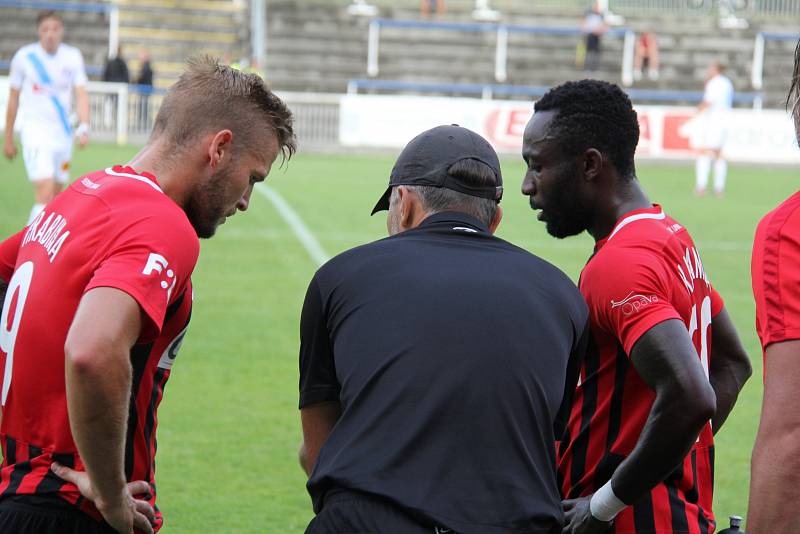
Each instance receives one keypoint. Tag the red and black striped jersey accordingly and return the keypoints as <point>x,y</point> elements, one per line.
<point>112,228</point>
<point>646,271</point>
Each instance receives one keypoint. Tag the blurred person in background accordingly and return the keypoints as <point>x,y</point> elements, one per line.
<point>713,114</point>
<point>42,77</point>
<point>144,82</point>
<point>431,7</point>
<point>646,56</point>
<point>116,71</point>
<point>774,488</point>
<point>593,26</point>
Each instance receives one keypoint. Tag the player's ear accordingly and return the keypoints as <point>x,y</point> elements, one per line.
<point>220,147</point>
<point>409,207</point>
<point>592,164</point>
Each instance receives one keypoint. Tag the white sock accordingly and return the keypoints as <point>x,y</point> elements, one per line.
<point>35,210</point>
<point>720,173</point>
<point>702,170</point>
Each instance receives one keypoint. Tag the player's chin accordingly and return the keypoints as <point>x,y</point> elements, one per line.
<point>206,230</point>
<point>562,229</point>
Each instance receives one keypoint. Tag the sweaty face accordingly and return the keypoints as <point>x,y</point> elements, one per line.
<point>552,180</point>
<point>228,189</point>
<point>50,32</point>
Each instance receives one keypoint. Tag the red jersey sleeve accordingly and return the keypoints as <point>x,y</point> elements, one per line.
<point>152,261</point>
<point>776,274</point>
<point>8,255</point>
<point>627,293</point>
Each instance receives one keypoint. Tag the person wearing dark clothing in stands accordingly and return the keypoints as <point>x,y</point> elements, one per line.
<point>145,88</point>
<point>116,70</point>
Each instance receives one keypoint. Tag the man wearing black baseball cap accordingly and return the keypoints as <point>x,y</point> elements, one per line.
<point>433,363</point>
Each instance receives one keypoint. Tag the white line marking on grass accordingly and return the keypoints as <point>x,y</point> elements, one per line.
<point>297,225</point>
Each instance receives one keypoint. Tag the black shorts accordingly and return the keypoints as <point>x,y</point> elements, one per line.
<point>46,515</point>
<point>352,512</point>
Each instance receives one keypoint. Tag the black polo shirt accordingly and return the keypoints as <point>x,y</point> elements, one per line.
<point>448,349</point>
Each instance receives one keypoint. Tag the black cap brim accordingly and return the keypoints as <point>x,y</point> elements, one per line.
<point>383,202</point>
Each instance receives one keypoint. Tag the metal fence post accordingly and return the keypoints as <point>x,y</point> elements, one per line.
<point>757,76</point>
<point>122,114</point>
<point>113,31</point>
<point>627,57</point>
<point>501,55</point>
<point>372,48</point>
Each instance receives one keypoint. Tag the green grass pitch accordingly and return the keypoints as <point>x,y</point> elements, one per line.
<point>229,426</point>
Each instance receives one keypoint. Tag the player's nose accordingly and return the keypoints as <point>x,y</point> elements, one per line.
<point>244,202</point>
<point>528,186</point>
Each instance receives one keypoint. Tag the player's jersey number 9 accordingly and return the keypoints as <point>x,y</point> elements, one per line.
<point>20,284</point>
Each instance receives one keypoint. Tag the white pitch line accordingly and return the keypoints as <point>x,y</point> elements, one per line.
<point>297,225</point>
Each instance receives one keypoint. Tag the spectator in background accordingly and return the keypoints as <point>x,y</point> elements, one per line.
<point>427,7</point>
<point>593,27</point>
<point>116,70</point>
<point>145,87</point>
<point>713,113</point>
<point>45,74</point>
<point>646,55</point>
<point>776,277</point>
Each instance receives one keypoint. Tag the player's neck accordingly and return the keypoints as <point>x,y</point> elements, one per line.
<point>52,51</point>
<point>151,160</point>
<point>627,198</point>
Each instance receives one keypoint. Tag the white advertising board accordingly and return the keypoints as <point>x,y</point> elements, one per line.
<point>758,136</point>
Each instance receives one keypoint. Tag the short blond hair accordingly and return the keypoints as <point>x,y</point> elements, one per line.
<point>210,96</point>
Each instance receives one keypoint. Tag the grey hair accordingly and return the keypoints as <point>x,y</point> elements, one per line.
<point>793,98</point>
<point>439,199</point>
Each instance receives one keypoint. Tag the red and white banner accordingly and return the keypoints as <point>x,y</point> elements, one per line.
<point>759,136</point>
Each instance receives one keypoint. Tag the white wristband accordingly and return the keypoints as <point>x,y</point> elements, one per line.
<point>605,505</point>
<point>82,129</point>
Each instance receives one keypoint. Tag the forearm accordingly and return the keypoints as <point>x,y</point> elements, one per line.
<point>306,460</point>
<point>97,400</point>
<point>669,434</point>
<point>11,117</point>
<point>3,289</point>
<point>775,481</point>
<point>82,101</point>
<point>727,383</point>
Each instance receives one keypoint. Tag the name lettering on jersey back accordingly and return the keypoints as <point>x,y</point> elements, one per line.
<point>156,263</point>
<point>692,269</point>
<point>50,233</point>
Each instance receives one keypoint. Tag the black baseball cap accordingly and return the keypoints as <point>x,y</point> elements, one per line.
<point>426,159</point>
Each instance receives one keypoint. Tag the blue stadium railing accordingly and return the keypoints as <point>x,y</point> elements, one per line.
<point>488,90</point>
<point>87,7</point>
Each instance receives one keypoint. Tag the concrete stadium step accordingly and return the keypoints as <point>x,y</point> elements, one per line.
<point>162,35</point>
<point>215,6</point>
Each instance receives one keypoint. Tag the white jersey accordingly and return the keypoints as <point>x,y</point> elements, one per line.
<point>46,82</point>
<point>718,95</point>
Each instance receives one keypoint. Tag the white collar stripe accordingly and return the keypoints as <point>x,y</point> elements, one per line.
<point>658,216</point>
<point>112,172</point>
